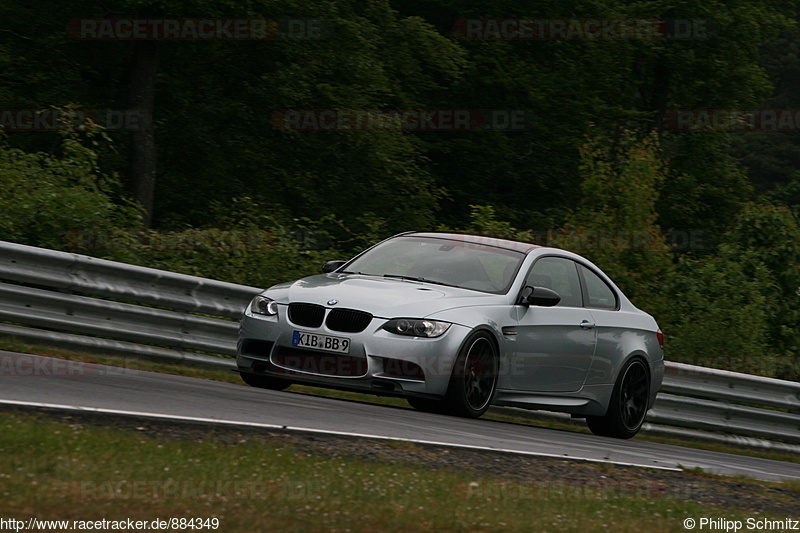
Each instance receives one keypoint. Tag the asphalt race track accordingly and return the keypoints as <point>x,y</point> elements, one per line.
<point>43,382</point>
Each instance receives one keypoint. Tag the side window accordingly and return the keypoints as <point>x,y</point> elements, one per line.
<point>600,295</point>
<point>560,275</point>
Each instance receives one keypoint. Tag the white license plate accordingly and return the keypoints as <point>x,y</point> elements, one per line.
<point>321,342</point>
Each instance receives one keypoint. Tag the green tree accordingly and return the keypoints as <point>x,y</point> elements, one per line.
<point>773,157</point>
<point>772,233</point>
<point>45,197</point>
<point>738,307</point>
<point>214,102</point>
<point>707,186</point>
<point>483,221</point>
<point>615,224</point>
<point>719,313</point>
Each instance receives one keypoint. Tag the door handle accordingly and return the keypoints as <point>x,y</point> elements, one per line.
<point>587,325</point>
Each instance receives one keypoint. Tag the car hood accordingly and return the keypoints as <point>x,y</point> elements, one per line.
<point>383,297</point>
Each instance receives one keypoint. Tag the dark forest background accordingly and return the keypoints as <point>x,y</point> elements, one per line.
<point>698,225</point>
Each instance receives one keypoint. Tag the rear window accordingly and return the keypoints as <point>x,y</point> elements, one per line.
<point>598,293</point>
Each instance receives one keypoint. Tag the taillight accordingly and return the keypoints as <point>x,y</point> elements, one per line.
<point>660,337</point>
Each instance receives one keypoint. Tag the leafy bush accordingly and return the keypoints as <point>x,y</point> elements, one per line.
<point>615,225</point>
<point>46,196</point>
<point>771,233</point>
<point>719,312</point>
<point>253,245</point>
<point>483,221</point>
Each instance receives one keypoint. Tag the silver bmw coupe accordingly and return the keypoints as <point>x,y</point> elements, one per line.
<point>455,323</point>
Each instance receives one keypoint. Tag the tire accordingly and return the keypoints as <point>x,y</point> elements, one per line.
<point>474,379</point>
<point>426,405</point>
<point>264,382</point>
<point>628,405</point>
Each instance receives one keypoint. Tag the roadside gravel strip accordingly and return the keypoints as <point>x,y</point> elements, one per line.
<point>497,475</point>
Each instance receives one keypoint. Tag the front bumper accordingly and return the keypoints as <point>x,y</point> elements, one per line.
<point>378,361</point>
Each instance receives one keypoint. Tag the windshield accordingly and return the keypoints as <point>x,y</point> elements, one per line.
<point>443,261</point>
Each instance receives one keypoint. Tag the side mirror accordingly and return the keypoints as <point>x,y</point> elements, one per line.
<point>541,296</point>
<point>330,266</point>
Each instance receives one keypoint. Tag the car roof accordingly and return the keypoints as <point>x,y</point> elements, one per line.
<point>484,240</point>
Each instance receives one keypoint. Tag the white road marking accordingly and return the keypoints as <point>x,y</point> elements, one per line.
<point>163,416</point>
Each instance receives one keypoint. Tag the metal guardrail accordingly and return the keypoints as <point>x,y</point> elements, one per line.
<point>81,274</point>
<point>79,302</point>
<point>700,382</point>
<point>710,399</point>
<point>84,303</point>
<point>713,415</point>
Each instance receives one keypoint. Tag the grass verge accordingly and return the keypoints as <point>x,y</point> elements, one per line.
<point>62,468</point>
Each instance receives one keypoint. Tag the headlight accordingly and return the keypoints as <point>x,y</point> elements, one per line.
<point>261,305</point>
<point>416,327</point>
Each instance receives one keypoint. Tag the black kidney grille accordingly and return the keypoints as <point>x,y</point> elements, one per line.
<point>306,315</point>
<point>348,320</point>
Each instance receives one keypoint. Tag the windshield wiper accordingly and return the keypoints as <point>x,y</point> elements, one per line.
<point>417,278</point>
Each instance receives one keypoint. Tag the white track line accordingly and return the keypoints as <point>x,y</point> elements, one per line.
<point>120,412</point>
